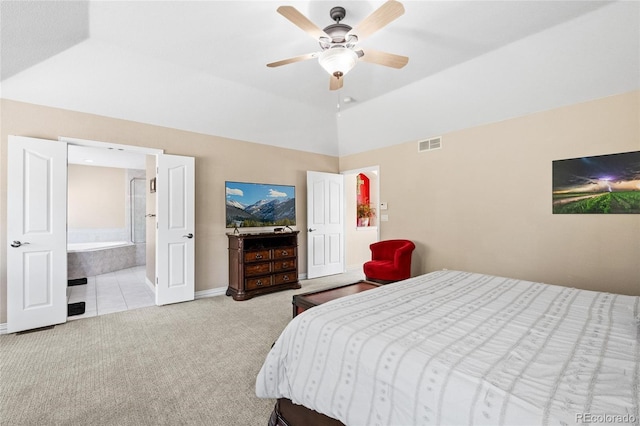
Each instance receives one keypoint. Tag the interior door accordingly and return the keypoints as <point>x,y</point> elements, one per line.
<point>36,233</point>
<point>325,227</point>
<point>175,245</point>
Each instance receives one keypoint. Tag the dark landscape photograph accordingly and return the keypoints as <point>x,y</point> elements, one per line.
<point>597,185</point>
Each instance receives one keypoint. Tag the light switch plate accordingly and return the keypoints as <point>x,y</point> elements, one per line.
<point>383,205</point>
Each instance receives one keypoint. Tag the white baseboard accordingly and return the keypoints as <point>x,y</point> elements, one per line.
<point>354,268</point>
<point>150,284</point>
<point>3,328</point>
<point>219,291</point>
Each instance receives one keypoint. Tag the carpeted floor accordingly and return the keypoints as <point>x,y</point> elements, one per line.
<point>192,363</point>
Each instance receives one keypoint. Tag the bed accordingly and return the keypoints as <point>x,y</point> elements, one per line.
<point>452,347</point>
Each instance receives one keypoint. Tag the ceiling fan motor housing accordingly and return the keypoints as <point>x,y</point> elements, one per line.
<point>337,13</point>
<point>336,31</point>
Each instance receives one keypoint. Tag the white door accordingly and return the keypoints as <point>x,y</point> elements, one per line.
<point>325,227</point>
<point>175,240</point>
<point>36,233</point>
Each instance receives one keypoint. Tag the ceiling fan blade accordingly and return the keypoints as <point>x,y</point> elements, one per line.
<point>301,21</point>
<point>384,58</point>
<point>336,83</point>
<point>380,17</point>
<point>294,59</point>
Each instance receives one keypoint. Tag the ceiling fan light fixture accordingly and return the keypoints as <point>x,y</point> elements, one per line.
<point>338,61</point>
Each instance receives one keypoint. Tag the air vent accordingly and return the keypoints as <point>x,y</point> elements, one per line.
<point>430,144</point>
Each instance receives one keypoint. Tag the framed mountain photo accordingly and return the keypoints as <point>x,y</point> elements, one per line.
<point>259,205</point>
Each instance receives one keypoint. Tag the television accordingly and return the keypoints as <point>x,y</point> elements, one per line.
<point>259,205</point>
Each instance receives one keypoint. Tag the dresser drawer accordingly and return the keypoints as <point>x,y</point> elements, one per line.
<point>258,255</point>
<point>284,265</point>
<point>285,277</point>
<point>282,252</point>
<point>254,283</point>
<point>261,268</point>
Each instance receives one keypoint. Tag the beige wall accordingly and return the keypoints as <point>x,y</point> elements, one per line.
<point>96,197</point>
<point>483,202</point>
<point>217,159</point>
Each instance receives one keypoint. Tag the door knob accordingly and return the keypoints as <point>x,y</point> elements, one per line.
<point>311,229</point>
<point>17,244</point>
<point>189,235</point>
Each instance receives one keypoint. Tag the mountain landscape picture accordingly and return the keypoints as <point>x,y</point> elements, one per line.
<point>258,204</point>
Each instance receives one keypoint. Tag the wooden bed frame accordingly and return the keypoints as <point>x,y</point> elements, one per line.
<point>286,413</point>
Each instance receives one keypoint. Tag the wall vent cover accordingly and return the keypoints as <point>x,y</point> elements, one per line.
<point>430,144</point>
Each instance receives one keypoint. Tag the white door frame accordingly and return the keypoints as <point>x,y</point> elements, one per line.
<point>126,148</point>
<point>375,170</point>
<point>353,239</point>
<point>97,144</point>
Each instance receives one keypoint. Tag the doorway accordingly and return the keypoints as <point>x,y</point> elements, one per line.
<point>359,237</point>
<point>107,217</point>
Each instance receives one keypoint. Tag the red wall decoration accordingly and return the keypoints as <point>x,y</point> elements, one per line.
<point>362,188</point>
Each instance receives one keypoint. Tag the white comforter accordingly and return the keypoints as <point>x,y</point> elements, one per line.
<point>453,347</point>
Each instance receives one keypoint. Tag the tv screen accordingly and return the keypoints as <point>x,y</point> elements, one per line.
<point>259,204</point>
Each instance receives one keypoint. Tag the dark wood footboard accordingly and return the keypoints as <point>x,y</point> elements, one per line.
<point>286,413</point>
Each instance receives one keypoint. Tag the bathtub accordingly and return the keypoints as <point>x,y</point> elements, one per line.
<point>89,259</point>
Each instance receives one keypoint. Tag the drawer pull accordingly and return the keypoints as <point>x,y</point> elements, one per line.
<point>259,283</point>
<point>285,264</point>
<point>258,256</point>
<point>284,252</point>
<point>285,278</point>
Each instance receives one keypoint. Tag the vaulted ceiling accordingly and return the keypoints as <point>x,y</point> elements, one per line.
<point>201,65</point>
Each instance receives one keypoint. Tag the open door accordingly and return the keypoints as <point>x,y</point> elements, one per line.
<point>36,233</point>
<point>175,240</point>
<point>325,216</point>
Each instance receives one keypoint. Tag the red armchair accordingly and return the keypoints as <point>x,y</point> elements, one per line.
<point>390,261</point>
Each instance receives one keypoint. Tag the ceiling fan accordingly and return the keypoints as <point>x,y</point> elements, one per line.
<point>338,41</point>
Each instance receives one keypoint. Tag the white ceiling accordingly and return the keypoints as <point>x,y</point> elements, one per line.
<point>201,65</point>
<point>105,157</point>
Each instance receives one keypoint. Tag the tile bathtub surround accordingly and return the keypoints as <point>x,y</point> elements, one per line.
<point>97,262</point>
<point>112,292</point>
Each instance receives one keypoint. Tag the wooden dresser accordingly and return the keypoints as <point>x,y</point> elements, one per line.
<point>262,263</point>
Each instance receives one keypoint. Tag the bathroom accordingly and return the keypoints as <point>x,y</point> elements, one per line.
<point>107,219</point>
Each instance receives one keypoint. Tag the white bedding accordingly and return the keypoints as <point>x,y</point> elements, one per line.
<point>453,347</point>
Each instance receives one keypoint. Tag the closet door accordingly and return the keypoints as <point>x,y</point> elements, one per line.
<point>36,233</point>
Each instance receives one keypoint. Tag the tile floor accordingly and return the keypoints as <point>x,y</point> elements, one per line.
<point>112,292</point>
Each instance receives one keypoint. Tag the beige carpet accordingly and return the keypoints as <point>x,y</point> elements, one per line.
<point>191,363</point>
